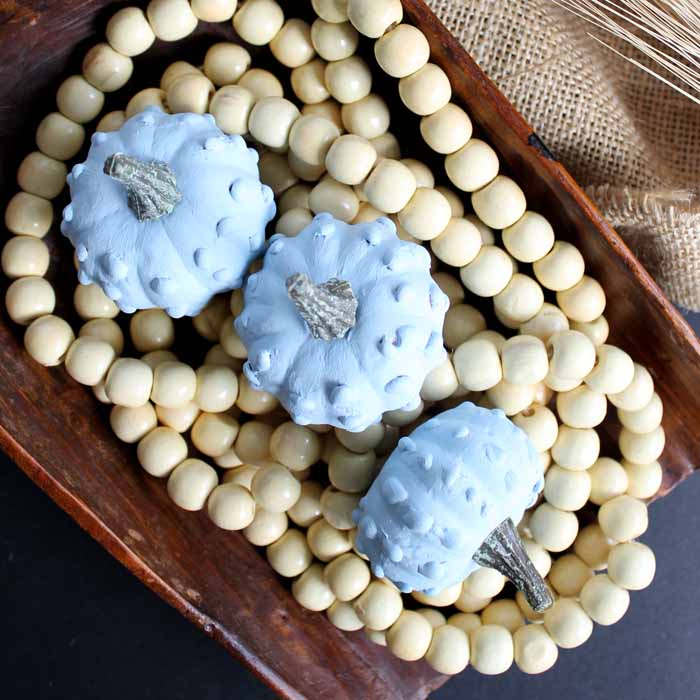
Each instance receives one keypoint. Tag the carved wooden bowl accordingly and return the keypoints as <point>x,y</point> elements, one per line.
<point>59,435</point>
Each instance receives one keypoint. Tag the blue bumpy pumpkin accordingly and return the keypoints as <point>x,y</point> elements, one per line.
<point>342,323</point>
<point>442,492</point>
<point>167,212</point>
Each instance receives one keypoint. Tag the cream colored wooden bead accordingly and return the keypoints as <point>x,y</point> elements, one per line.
<point>290,555</point>
<point>545,460</point>
<point>448,131</point>
<point>214,10</point>
<point>524,360</point>
<point>644,480</point>
<point>613,371</point>
<point>582,407</point>
<point>106,69</point>
<point>177,70</point>
<point>230,460</point>
<point>292,46</point>
<point>351,472</point>
<point>171,20</point>
<point>469,603</point>
<point>597,330</point>
<point>568,624</point>
<point>462,322</point>
<point>569,574</point>
<point>450,286</point>
<point>276,172</point>
<point>47,340</point>
<point>150,97</point>
<point>88,360</point>
<point>593,546</point>
<point>491,649</point>
<point>309,83</point>
<point>390,186</point>
<point>472,166</point>
<point>520,300</point>
<point>484,583</point>
<point>631,565</point>
<point>465,621</point>
<point>78,100</point>
<point>105,329</point>
<point>348,80</point>
<point>343,616</point>
<point>253,442</point>
<point>443,599</point>
<point>25,256</point>
<point>379,606</point>
<point>271,121</point>
<point>307,510</point>
<point>334,41</point>
<point>348,576</point>
<point>426,91</point>
<point>129,382</point>
<point>350,159</point>
<point>449,650</point>
<point>434,617</point>
<point>584,302</point>
<point>331,10</point>
<point>252,401</point>
<point>293,222</point>
<point>538,555</point>
<point>553,528</point>
<point>295,446</point>
<point>608,480</point>
<point>576,449</point>
<point>312,592</point>
<point>334,197</point>
<point>458,244</point>
<point>426,215</point>
<point>401,418</point>
<point>91,302</point>
<point>503,612</point>
<point>190,93</point>
<point>440,383</point>
<point>132,424</point>
<point>217,388</point>
<point>190,484</point>
<point>566,489</point>
<point>41,176</point>
<point>511,398</point>
<point>59,137</point>
<point>423,174</point>
<point>543,394</point>
<point>489,272</point>
<point>530,238</point>
<point>500,204</point>
<point>328,109</point>
<point>158,357</point>
<point>337,508</point>
<point>534,650</point>
<point>642,448</point>
<point>387,146</point>
<point>456,205</point>
<point>225,63</point>
<point>242,475</point>
<point>327,542</point>
<point>152,329</point>
<point>129,32</point>
<point>410,636</point>
<point>231,507</point>
<point>303,170</point>
<point>28,215</point>
<point>266,527</point>
<point>363,441</point>
<point>257,22</point>
<point>562,268</point>
<point>572,355</point>
<point>604,601</point>
<point>213,434</point>
<point>311,137</point>
<point>296,197</point>
<point>374,17</point>
<point>623,518</point>
<point>261,83</point>
<point>180,419</point>
<point>639,392</point>
<point>160,450</point>
<point>646,419</point>
<point>540,425</point>
<point>275,489</point>
<point>545,323</point>
<point>368,117</point>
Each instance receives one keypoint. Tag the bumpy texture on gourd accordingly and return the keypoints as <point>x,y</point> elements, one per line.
<point>442,492</point>
<point>379,364</point>
<point>182,259</point>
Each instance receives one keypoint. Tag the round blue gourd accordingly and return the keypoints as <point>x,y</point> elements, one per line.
<point>167,212</point>
<point>342,323</point>
<point>442,492</point>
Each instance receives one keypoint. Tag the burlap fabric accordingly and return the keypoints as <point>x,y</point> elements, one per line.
<point>630,141</point>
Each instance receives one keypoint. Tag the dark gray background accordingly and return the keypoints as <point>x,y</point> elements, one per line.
<point>76,625</point>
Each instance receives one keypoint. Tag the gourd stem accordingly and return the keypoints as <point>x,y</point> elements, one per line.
<point>151,186</point>
<point>503,550</point>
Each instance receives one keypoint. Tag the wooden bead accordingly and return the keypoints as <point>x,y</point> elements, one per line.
<point>646,419</point>
<point>472,166</point>
<point>368,117</point>
<point>489,272</point>
<point>505,613</point>
<point>443,599</point>
<point>613,371</point>
<point>379,607</point>
<point>484,583</point>
<point>568,575</point>
<point>592,546</point>
<point>78,100</point>
<point>303,170</point>
<point>271,121</point>
<point>534,650</point>
<point>106,69</point>
<point>129,33</point>
<point>604,601</point>
<point>257,22</point>
<point>230,460</point>
<point>608,480</point>
<point>276,173</point>
<point>434,617</point>
<point>214,10</point>
<point>348,576</point>
<point>171,20</point>
<point>426,215</point>
<point>639,392</point>
<point>456,205</point>
<point>545,323</point>
<point>426,91</point>
<point>631,565</point>
<point>571,355</point>
<point>327,542</point>
<point>231,507</point>
<point>29,298</point>
<point>387,146</point>
<point>225,63</point>
<point>266,527</point>
<point>217,388</point>
<point>402,51</point>
<point>190,93</point>
<point>242,475</point>
<point>520,300</point>
<point>334,41</point>
<point>337,508</point>
<point>363,441</point>
<point>566,489</point>
<point>373,17</point>
<point>25,256</point>
<point>458,244</point>
<point>465,621</point>
<point>158,357</point>
<point>561,269</point>
<point>307,509</point>
<point>491,649</point>
<point>88,360</point>
<point>343,616</point>
<point>331,10</point>
<point>440,382</point>
<point>275,489</point>
<point>28,215</point>
<point>410,636</point>
<point>150,97</point>
<point>390,186</point>
<point>450,287</point>
<point>597,331</point>
<point>530,238</point>
<point>252,401</point>
<point>129,382</point>
<point>529,614</point>
<point>297,197</point>
<point>309,83</point>
<point>500,204</point>
<point>311,137</point>
<point>293,222</point>
<point>292,45</point>
<point>190,484</point>
<point>642,448</point>
<point>261,83</point>
<point>105,329</point>
<point>567,623</point>
<point>543,394</point>
<point>449,650</point>
<point>540,425</point>
<point>334,197</point>
<point>350,159</point>
<point>448,131</point>
<point>177,70</point>
<point>348,80</point>
<point>132,424</point>
<point>161,449</point>
<point>312,592</point>
<point>289,556</point>
<point>213,434</point>
<point>584,302</point>
<point>42,176</point>
<point>91,302</point>
<point>59,137</point>
<point>47,340</point>
<point>462,322</point>
<point>511,398</point>
<point>623,518</point>
<point>295,446</point>
<point>152,329</point>
<point>524,360</point>
<point>576,449</point>
<point>253,442</point>
<point>469,603</point>
<point>644,480</point>
<point>423,174</point>
<point>351,472</point>
<point>553,528</point>
<point>538,555</point>
<point>582,407</point>
<point>401,418</point>
<point>216,355</point>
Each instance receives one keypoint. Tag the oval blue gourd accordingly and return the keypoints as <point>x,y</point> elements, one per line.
<point>343,322</point>
<point>167,212</point>
<point>442,492</point>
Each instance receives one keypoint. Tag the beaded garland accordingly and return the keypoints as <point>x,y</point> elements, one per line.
<point>267,458</point>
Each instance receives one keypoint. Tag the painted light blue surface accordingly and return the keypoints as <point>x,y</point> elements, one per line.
<point>380,364</point>
<point>202,248</point>
<point>442,491</point>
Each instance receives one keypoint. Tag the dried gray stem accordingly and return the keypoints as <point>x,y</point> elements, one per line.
<point>329,309</point>
<point>151,187</point>
<point>503,550</point>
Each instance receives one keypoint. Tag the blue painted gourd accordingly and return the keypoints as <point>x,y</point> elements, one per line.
<point>167,212</point>
<point>442,493</point>
<point>343,322</point>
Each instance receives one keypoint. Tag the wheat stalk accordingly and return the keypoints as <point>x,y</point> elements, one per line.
<point>667,31</point>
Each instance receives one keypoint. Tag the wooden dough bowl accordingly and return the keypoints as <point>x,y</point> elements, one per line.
<point>59,435</point>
